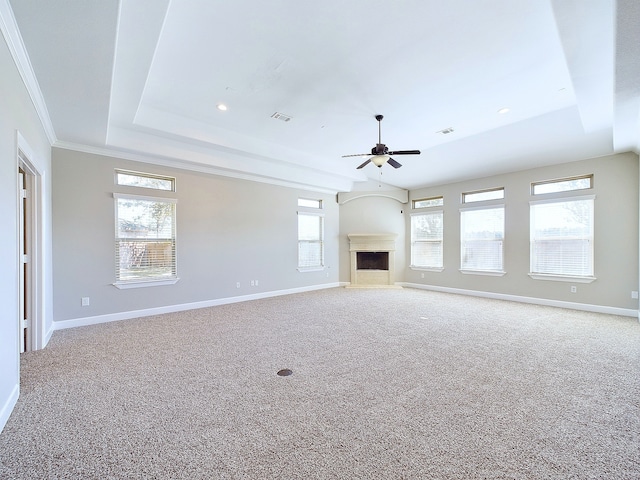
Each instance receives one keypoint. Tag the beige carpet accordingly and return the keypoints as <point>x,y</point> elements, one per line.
<point>388,384</point>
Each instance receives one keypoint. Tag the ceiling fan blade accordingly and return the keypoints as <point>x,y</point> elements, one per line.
<point>380,154</point>
<point>393,163</point>
<point>405,152</point>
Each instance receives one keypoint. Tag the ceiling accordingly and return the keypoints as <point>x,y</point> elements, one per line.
<point>142,79</point>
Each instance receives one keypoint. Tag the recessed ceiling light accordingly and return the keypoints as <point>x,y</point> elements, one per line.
<point>221,106</point>
<point>503,110</point>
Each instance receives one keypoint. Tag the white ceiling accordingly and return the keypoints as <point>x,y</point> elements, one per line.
<point>143,78</point>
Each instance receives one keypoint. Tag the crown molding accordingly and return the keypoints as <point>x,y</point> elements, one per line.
<point>14,42</point>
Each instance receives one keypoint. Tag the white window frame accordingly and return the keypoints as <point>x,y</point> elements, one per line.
<point>414,242</point>
<point>312,203</point>
<point>131,173</point>
<point>427,202</point>
<point>486,195</point>
<point>312,212</point>
<point>151,281</point>
<point>561,181</point>
<point>563,197</point>
<point>490,272</point>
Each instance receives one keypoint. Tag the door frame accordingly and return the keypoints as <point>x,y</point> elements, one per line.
<point>34,285</point>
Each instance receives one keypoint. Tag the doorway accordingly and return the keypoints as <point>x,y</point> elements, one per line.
<point>30,321</point>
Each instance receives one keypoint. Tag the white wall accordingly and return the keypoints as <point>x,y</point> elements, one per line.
<point>228,231</point>
<point>615,242</point>
<point>17,113</point>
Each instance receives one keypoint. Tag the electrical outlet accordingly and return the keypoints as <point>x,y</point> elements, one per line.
<point>237,284</point>
<point>634,294</point>
<point>256,283</point>
<point>574,289</point>
<point>85,301</point>
<point>253,283</point>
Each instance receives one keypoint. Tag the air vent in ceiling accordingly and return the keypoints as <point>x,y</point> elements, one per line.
<point>446,131</point>
<point>281,116</point>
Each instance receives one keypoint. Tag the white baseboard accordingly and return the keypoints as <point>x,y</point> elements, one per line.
<point>7,408</point>
<point>113,317</point>
<point>626,312</point>
<point>79,322</point>
<point>47,335</point>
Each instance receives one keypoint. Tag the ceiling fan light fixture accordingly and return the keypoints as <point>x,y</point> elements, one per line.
<point>379,160</point>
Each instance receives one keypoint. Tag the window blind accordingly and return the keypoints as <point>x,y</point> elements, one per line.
<point>482,239</point>
<point>310,240</point>
<point>562,237</point>
<point>426,239</point>
<point>145,238</point>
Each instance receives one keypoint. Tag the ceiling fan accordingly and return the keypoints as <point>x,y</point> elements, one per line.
<point>380,154</point>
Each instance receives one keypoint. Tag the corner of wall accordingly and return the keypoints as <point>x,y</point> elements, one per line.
<point>7,408</point>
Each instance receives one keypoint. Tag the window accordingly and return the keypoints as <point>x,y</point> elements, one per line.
<point>564,185</point>
<point>562,237</point>
<point>309,203</point>
<point>426,234</point>
<point>145,180</point>
<point>483,195</point>
<point>145,240</point>
<point>310,234</point>
<point>426,239</point>
<point>428,202</point>
<point>482,238</point>
<point>310,241</point>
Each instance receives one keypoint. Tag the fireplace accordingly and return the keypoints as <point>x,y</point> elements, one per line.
<point>372,260</point>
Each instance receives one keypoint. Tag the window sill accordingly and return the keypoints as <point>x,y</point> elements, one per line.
<point>561,278</point>
<point>427,269</point>
<point>491,273</point>
<point>144,283</point>
<point>310,269</point>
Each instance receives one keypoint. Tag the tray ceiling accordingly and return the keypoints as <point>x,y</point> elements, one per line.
<point>143,79</point>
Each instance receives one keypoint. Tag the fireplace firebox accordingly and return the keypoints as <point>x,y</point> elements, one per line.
<point>372,260</point>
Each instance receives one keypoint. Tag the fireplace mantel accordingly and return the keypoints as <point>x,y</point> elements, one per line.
<point>372,242</point>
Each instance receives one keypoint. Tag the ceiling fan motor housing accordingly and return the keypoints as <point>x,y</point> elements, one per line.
<point>379,149</point>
